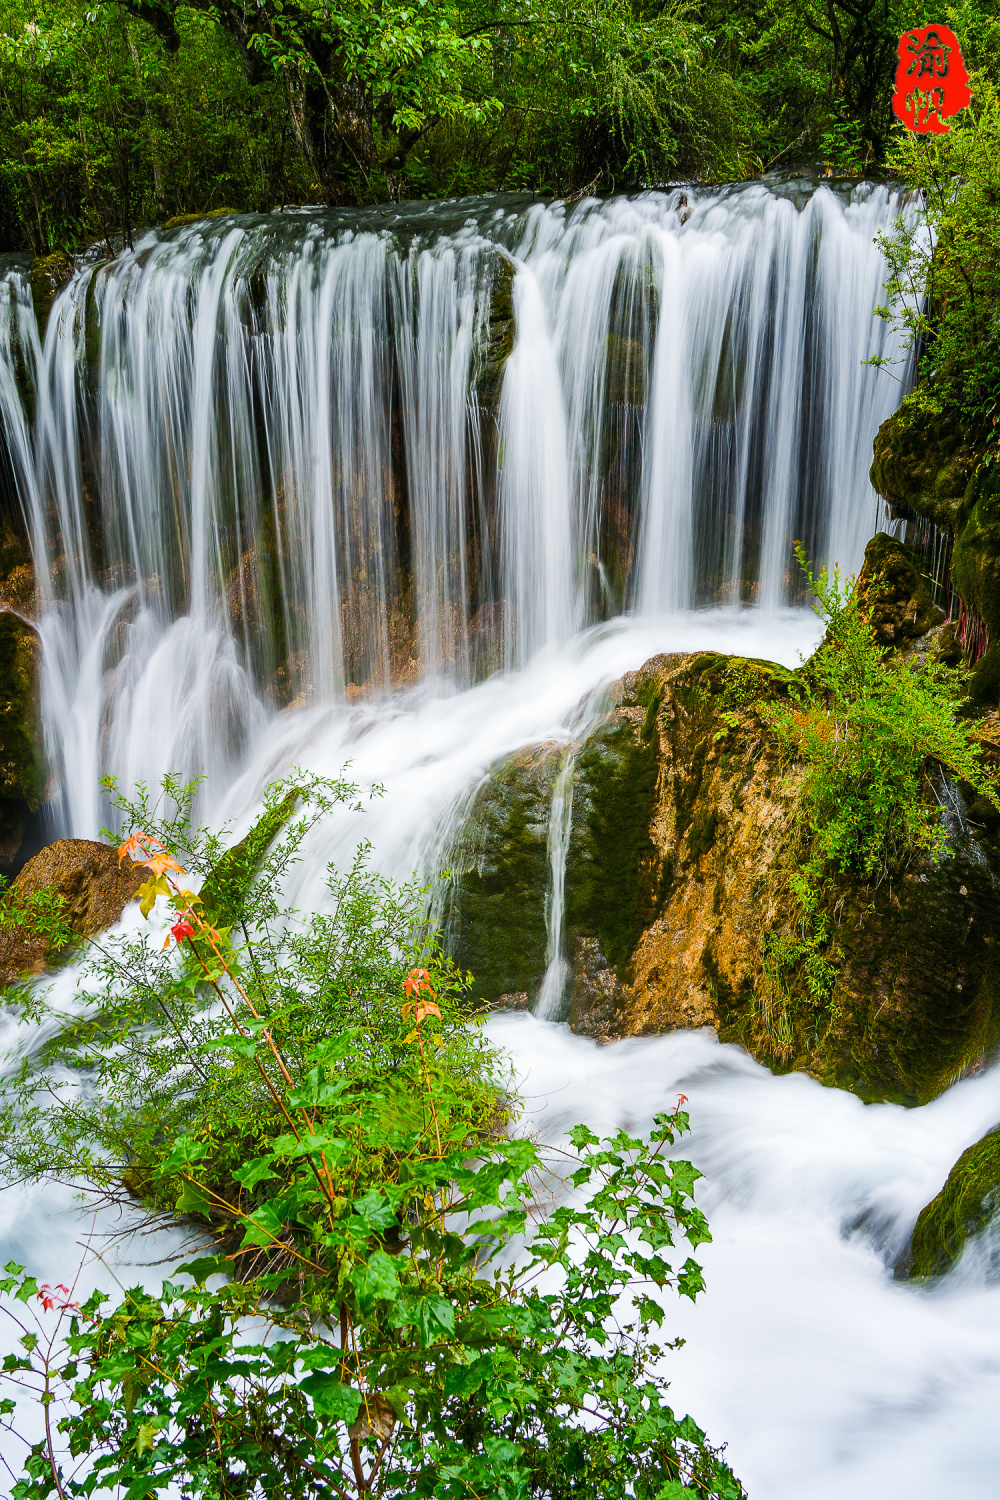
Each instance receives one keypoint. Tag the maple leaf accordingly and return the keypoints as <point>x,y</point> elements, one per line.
<point>144,842</point>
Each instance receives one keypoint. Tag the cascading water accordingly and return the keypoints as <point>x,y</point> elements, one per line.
<point>265,462</point>
<point>272,459</point>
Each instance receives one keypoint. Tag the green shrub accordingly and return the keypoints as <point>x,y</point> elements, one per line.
<point>874,733</point>
<point>400,1311</point>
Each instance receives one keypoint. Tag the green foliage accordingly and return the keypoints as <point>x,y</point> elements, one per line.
<point>873,733</point>
<point>400,1313</point>
<point>871,728</point>
<point>943,288</point>
<point>42,912</point>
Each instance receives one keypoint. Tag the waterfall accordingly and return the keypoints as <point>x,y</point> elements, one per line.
<point>274,460</point>
<point>492,456</point>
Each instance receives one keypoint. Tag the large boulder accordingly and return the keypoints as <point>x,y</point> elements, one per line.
<point>94,889</point>
<point>686,828</point>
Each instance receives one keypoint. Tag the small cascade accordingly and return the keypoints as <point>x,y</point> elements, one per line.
<point>549,1005</point>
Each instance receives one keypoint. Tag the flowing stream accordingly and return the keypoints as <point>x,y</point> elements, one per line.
<point>404,490</point>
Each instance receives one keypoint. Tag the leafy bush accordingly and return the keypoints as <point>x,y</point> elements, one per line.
<point>401,1310</point>
<point>943,286</point>
<point>874,733</point>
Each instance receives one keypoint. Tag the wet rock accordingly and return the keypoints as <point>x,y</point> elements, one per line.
<point>596,993</point>
<point>95,892</point>
<point>494,908</point>
<point>494,348</point>
<point>893,594</point>
<point>968,1202</point>
<point>923,465</point>
<point>21,769</point>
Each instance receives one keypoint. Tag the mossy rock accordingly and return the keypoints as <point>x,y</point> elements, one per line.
<point>494,915</point>
<point>94,888</point>
<point>966,1204</point>
<point>46,278</point>
<point>615,875</point>
<point>923,463</point>
<point>21,767</point>
<point>179,220</point>
<point>916,1001</point>
<point>893,593</point>
<point>226,886</point>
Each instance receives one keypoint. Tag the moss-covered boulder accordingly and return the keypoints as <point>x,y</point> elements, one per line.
<point>495,916</point>
<point>923,464</point>
<point>21,767</point>
<point>47,276</point>
<point>968,1202</point>
<point>686,828</point>
<point>94,887</point>
<point>893,593</point>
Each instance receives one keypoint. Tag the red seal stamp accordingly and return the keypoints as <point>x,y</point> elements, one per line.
<point>931,81</point>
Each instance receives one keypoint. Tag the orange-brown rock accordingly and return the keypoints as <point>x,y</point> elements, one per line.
<point>94,890</point>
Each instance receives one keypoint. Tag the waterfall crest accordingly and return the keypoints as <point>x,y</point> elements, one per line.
<point>266,461</point>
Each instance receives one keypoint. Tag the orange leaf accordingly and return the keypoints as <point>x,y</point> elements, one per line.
<point>428,1008</point>
<point>160,863</point>
<point>417,980</point>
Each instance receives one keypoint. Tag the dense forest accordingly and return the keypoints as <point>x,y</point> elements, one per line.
<point>114,116</point>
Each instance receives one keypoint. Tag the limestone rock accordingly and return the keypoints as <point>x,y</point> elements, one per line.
<point>93,887</point>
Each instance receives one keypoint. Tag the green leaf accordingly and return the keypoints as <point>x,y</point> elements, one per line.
<point>254,1172</point>
<point>330,1397</point>
<point>193,1199</point>
<point>435,1318</point>
<point>376,1280</point>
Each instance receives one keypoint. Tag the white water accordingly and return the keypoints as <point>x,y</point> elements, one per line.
<point>249,378</point>
<point>262,465</point>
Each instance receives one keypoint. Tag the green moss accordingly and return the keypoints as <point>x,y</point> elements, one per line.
<point>975,564</point>
<point>924,463</point>
<point>965,1205</point>
<point>226,886</point>
<point>214,213</point>
<point>703,829</point>
<point>495,906</point>
<point>46,278</point>
<point>984,684</point>
<point>614,882</point>
<point>893,592</point>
